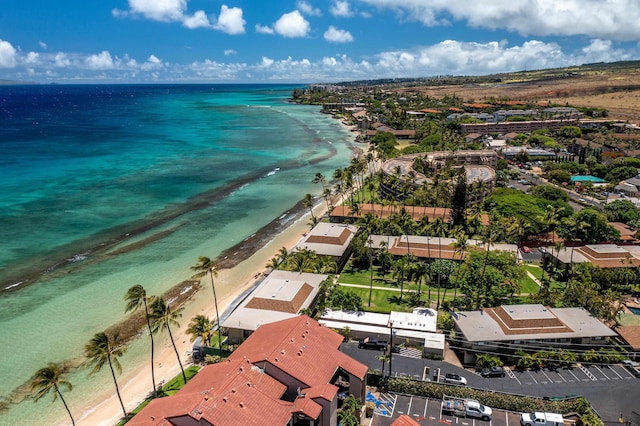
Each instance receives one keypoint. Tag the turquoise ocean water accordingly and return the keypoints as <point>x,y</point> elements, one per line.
<point>86,170</point>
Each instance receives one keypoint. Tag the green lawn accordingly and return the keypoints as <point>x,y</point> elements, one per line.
<point>353,276</point>
<point>383,301</point>
<point>168,389</point>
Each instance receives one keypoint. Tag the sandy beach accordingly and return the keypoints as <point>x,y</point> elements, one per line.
<point>104,409</point>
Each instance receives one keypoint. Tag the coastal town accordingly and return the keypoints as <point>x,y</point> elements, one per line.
<point>474,255</point>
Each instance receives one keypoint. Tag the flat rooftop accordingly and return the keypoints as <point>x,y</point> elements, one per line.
<point>280,296</point>
<point>498,324</point>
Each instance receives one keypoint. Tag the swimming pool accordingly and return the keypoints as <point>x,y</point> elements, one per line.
<point>586,178</point>
<point>635,311</point>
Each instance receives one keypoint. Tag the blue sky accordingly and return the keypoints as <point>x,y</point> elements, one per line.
<point>288,41</point>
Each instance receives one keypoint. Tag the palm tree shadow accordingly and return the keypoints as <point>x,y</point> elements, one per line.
<point>396,300</point>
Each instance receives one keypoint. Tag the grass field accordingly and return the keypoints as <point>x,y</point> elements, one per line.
<point>168,389</point>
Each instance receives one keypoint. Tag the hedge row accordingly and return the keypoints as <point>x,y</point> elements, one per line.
<point>525,404</point>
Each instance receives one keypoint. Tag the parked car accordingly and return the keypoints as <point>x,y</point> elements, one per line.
<point>454,379</point>
<point>632,366</point>
<point>466,408</point>
<point>372,343</point>
<point>493,372</point>
<point>526,249</point>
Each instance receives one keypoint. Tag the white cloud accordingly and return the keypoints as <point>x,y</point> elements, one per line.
<point>447,57</point>
<point>159,10</point>
<point>263,29</point>
<point>266,62</point>
<point>341,8</point>
<point>152,63</point>
<point>337,36</point>
<point>229,52</point>
<point>611,19</point>
<point>42,44</point>
<point>31,58</point>
<point>307,9</point>
<point>61,60</point>
<point>230,20</point>
<point>8,55</point>
<point>101,61</point>
<point>292,25</point>
<point>197,20</point>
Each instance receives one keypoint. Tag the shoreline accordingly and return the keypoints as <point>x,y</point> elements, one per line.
<point>104,409</point>
<point>240,268</point>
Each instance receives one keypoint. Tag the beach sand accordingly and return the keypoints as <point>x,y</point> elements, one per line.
<point>104,409</point>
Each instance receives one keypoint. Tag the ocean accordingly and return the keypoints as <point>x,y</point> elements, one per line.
<point>106,186</point>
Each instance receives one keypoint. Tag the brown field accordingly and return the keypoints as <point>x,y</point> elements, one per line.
<point>616,90</point>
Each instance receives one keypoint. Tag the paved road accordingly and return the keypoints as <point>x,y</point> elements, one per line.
<point>612,390</point>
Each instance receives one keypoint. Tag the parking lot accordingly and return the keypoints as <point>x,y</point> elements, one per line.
<point>427,411</point>
<point>592,373</point>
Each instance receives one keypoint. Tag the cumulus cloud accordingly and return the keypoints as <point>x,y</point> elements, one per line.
<point>8,55</point>
<point>341,8</point>
<point>230,20</point>
<point>263,29</point>
<point>61,60</point>
<point>292,25</point>
<point>42,44</point>
<point>101,61</point>
<point>197,20</point>
<point>229,52</point>
<point>31,58</point>
<point>337,36</point>
<point>307,9</point>
<point>613,19</point>
<point>159,10</point>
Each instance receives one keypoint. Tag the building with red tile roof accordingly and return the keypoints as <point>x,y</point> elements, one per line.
<point>290,372</point>
<point>405,420</point>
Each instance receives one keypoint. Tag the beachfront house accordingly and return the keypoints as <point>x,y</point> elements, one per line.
<point>287,373</point>
<point>281,295</point>
<point>330,239</point>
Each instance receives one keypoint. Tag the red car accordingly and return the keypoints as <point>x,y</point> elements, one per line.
<point>526,250</point>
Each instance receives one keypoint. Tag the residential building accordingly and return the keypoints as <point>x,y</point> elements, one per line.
<point>281,295</point>
<point>288,373</point>
<point>330,239</point>
<point>601,255</point>
<point>507,328</point>
<point>426,247</point>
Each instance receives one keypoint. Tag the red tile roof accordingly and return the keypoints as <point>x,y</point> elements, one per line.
<point>300,347</point>
<point>405,420</point>
<point>232,392</point>
<point>237,391</point>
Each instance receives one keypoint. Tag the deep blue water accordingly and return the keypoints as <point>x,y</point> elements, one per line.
<point>87,171</point>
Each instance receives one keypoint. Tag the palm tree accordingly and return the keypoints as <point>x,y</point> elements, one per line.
<point>203,266</point>
<point>307,201</point>
<point>136,297</point>
<point>50,378</point>
<point>461,244</point>
<point>161,318</point>
<point>319,178</point>
<point>103,350</point>
<point>200,326</point>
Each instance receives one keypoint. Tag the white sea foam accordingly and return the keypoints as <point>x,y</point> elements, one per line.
<point>78,257</point>
<point>272,172</point>
<point>13,285</point>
